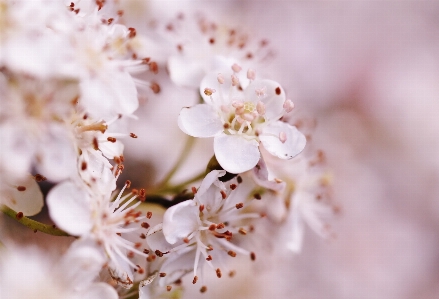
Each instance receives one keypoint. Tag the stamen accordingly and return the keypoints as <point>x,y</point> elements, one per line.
<point>220,78</point>
<point>282,137</point>
<point>251,74</point>
<point>235,80</point>
<point>209,91</point>
<point>218,273</point>
<point>260,107</point>
<point>236,68</point>
<point>288,106</point>
<point>168,288</point>
<point>21,188</point>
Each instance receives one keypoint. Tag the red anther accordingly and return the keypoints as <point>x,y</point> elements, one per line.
<point>218,273</point>
<point>119,234</point>
<point>85,116</point>
<point>232,273</point>
<point>179,47</point>
<point>277,90</point>
<point>209,248</point>
<point>149,215</point>
<point>95,144</point>
<point>231,253</point>
<point>257,196</point>
<point>134,56</point>
<point>110,20</point>
<point>162,274</point>
<point>220,226</point>
<point>134,191</point>
<point>153,67</point>
<point>201,208</point>
<point>128,184</point>
<point>186,240</point>
<point>132,135</point>
<point>132,32</point>
<point>158,253</point>
<point>145,225</point>
<point>194,281</point>
<point>142,236</point>
<point>209,258</point>
<point>40,178</point>
<point>146,60</point>
<point>19,215</point>
<point>137,245</point>
<point>223,194</point>
<point>83,165</point>
<point>233,186</point>
<point>242,231</point>
<point>21,188</point>
<point>130,254</point>
<point>111,139</point>
<point>239,179</point>
<point>211,40</point>
<point>117,160</point>
<point>142,193</point>
<point>72,4</point>
<point>141,271</point>
<point>76,11</point>
<point>226,126</point>
<point>168,288</point>
<point>155,87</point>
<point>212,226</point>
<point>122,158</point>
<point>120,13</point>
<point>194,190</point>
<point>145,251</point>
<point>252,256</point>
<point>239,205</point>
<point>203,289</point>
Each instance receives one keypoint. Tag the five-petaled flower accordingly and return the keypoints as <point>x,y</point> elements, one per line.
<point>241,118</point>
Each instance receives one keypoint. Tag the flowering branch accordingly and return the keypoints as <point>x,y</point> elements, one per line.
<point>32,224</point>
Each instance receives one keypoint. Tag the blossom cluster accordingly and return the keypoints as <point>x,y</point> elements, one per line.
<point>71,76</point>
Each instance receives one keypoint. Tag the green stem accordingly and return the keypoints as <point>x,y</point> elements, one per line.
<point>179,187</point>
<point>185,152</point>
<point>32,224</point>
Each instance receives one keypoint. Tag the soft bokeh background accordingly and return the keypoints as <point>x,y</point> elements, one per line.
<point>368,73</point>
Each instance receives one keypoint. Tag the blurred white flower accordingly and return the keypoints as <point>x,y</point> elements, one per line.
<point>31,273</point>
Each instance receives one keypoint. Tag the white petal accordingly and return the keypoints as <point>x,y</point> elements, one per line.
<point>17,151</point>
<point>184,72</point>
<point>69,208</point>
<point>294,144</point>
<point>200,121</point>
<point>99,291</point>
<point>29,202</point>
<point>84,260</point>
<point>235,153</point>
<point>110,95</point>
<point>274,97</point>
<point>156,239</point>
<point>58,156</point>
<point>210,179</point>
<point>179,221</point>
<point>260,173</point>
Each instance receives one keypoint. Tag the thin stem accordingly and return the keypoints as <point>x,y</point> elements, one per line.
<point>179,187</point>
<point>32,224</point>
<point>184,153</point>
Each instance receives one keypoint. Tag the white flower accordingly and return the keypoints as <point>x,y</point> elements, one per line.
<point>202,229</point>
<point>240,119</point>
<point>21,195</point>
<point>93,215</point>
<point>202,46</point>
<point>307,192</point>
<point>31,273</point>
<point>32,127</point>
